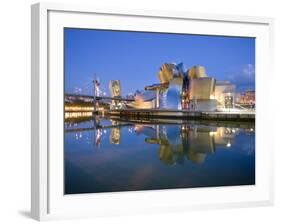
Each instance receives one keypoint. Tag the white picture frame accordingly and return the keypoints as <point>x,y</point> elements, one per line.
<point>48,201</point>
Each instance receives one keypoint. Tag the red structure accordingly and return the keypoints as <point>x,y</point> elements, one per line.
<point>249,97</point>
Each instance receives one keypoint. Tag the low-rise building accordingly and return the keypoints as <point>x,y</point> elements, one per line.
<point>225,94</point>
<point>248,98</point>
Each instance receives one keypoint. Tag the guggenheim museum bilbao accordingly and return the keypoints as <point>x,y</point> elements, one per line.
<point>192,90</point>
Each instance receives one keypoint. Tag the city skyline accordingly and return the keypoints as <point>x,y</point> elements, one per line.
<point>136,57</point>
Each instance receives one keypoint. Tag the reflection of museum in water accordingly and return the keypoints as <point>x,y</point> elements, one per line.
<point>179,142</point>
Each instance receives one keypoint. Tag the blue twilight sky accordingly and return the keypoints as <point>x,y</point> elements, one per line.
<point>136,57</point>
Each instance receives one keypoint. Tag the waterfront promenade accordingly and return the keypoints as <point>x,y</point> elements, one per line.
<point>183,114</point>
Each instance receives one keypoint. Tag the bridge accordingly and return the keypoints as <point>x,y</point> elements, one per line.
<point>70,97</point>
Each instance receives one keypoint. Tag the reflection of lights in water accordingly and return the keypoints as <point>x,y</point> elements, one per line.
<point>251,129</point>
<point>77,114</point>
<point>228,131</point>
<point>98,137</point>
<point>78,135</point>
<point>195,146</point>
<point>183,128</point>
<point>138,128</point>
<point>115,136</point>
<point>212,133</point>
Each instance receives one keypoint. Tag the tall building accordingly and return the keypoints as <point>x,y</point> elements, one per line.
<point>115,90</point>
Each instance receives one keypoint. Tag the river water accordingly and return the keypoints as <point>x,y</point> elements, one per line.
<point>109,155</point>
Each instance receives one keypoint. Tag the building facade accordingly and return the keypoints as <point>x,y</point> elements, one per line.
<point>248,98</point>
<point>225,94</point>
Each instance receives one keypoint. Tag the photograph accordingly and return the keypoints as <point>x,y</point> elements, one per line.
<point>157,111</point>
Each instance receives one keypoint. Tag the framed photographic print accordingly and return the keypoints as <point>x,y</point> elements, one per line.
<point>138,111</point>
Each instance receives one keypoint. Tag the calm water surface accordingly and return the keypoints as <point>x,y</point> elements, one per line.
<point>104,155</point>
